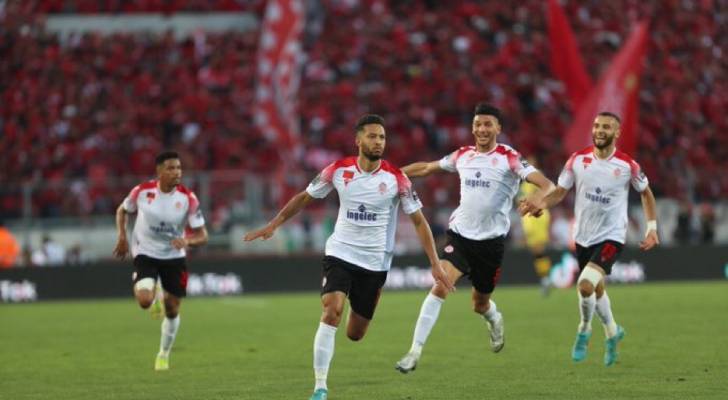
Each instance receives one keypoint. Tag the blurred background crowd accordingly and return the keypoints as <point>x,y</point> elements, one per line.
<point>83,115</point>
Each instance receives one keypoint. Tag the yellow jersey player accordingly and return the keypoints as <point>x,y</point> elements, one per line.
<point>536,234</point>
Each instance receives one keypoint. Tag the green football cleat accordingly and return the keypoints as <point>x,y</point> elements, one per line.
<point>320,394</point>
<point>161,363</point>
<point>578,352</point>
<point>610,347</point>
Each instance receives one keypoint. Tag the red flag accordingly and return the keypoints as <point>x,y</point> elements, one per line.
<point>617,92</point>
<point>277,82</point>
<point>566,62</point>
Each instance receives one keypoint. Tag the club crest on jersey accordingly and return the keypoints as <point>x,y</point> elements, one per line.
<point>617,172</point>
<point>382,188</point>
<point>494,161</point>
<point>150,197</point>
<point>348,176</point>
<point>449,249</point>
<point>361,214</point>
<point>178,205</point>
<point>587,161</point>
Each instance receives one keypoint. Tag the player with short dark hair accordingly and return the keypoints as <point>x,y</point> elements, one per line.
<point>165,209</point>
<point>490,174</point>
<point>359,253</point>
<point>602,175</point>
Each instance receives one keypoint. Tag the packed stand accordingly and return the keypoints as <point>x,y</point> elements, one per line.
<point>93,108</point>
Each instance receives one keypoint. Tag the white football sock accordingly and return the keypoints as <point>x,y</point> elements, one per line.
<point>428,317</point>
<point>604,310</point>
<point>586,310</point>
<point>169,332</point>
<point>492,314</point>
<point>323,352</point>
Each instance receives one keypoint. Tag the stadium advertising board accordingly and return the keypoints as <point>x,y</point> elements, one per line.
<point>235,276</point>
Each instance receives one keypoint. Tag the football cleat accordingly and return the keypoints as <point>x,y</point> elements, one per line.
<point>407,363</point>
<point>161,363</point>
<point>610,347</point>
<point>578,352</point>
<point>320,394</point>
<point>497,337</point>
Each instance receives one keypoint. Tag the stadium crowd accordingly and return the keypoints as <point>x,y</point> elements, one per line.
<point>90,108</point>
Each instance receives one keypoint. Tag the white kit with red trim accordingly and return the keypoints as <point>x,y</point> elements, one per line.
<point>161,217</point>
<point>368,203</point>
<point>602,191</point>
<point>488,183</point>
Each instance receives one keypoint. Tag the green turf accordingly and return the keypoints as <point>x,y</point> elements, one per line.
<point>259,347</point>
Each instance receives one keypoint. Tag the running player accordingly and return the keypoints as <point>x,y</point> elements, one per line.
<point>602,175</point>
<point>490,174</point>
<point>164,210</point>
<point>359,252</point>
<point>536,233</point>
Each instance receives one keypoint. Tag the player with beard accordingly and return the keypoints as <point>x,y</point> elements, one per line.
<point>359,253</point>
<point>490,175</point>
<point>165,210</point>
<point>602,175</point>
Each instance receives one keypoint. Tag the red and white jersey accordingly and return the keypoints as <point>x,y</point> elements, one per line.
<point>602,189</point>
<point>161,217</point>
<point>488,184</point>
<point>368,203</point>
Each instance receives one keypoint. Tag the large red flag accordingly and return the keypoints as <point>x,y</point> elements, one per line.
<point>566,62</point>
<point>277,82</point>
<point>278,77</point>
<point>617,92</point>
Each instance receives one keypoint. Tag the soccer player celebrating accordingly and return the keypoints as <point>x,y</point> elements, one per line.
<point>490,174</point>
<point>359,252</point>
<point>602,175</point>
<point>164,210</point>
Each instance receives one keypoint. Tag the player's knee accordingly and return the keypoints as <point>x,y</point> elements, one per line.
<point>586,288</point>
<point>355,336</point>
<point>145,302</point>
<point>331,316</point>
<point>440,291</point>
<point>480,306</point>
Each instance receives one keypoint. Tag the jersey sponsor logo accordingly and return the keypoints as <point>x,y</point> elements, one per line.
<point>348,176</point>
<point>361,214</point>
<point>382,188</point>
<point>586,161</point>
<point>477,182</point>
<point>163,228</point>
<point>597,197</point>
<point>150,197</point>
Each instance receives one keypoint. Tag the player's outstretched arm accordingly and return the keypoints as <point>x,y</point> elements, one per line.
<point>291,208</point>
<point>198,238</point>
<point>552,198</point>
<point>421,168</point>
<point>545,186</point>
<point>428,244</point>
<point>650,208</point>
<point>121,250</point>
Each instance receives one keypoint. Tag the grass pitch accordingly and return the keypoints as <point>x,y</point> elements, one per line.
<point>260,347</point>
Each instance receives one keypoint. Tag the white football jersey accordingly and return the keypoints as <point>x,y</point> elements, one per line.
<point>368,203</point>
<point>161,217</point>
<point>488,184</point>
<point>602,190</point>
